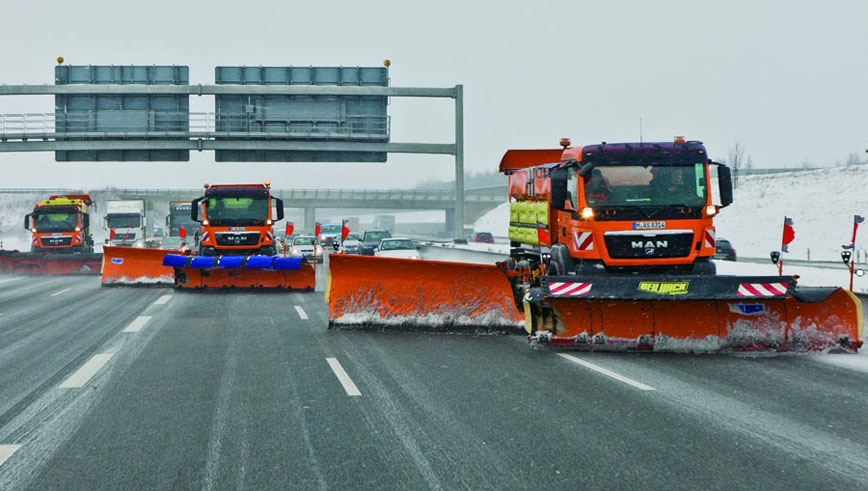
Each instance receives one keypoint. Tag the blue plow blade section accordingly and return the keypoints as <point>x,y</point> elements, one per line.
<point>233,262</point>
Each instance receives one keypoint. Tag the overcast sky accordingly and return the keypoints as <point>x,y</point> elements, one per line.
<point>784,79</point>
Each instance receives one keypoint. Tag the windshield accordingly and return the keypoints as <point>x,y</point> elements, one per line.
<point>331,228</point>
<point>123,220</point>
<point>376,236</point>
<point>394,244</point>
<point>304,241</point>
<point>651,185</point>
<point>55,221</point>
<point>232,210</point>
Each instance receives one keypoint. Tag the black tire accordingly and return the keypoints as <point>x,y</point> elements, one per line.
<point>704,266</point>
<point>561,262</point>
<point>267,251</point>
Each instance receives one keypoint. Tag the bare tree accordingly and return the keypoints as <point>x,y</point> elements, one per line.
<point>853,159</point>
<point>735,160</point>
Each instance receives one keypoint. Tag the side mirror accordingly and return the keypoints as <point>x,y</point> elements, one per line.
<point>336,245</point>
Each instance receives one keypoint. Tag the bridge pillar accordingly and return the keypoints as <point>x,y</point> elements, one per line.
<point>309,218</point>
<point>450,221</point>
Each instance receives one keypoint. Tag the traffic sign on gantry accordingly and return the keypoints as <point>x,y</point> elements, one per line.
<point>300,117</point>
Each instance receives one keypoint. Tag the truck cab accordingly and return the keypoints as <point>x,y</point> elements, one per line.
<point>126,223</point>
<point>237,219</point>
<point>618,208</point>
<point>61,224</point>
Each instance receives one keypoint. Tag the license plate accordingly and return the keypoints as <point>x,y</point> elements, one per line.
<point>237,229</point>
<point>648,225</point>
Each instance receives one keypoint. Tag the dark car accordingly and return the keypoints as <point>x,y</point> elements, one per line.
<point>371,239</point>
<point>485,237</point>
<point>724,250</point>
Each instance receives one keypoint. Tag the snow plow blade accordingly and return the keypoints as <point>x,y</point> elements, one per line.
<point>135,266</point>
<point>389,294</point>
<point>13,262</point>
<point>241,272</point>
<point>692,314</point>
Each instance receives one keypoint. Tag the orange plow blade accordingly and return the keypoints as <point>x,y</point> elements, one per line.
<point>135,266</point>
<point>12,262</point>
<point>379,293</point>
<point>242,272</point>
<point>733,314</point>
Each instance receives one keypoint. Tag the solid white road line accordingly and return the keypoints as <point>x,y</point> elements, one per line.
<point>61,292</point>
<point>301,312</point>
<point>608,373</point>
<point>349,387</point>
<point>162,300</point>
<point>138,323</point>
<point>88,370</point>
<point>6,451</point>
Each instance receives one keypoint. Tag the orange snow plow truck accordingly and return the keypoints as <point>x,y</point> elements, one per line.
<point>237,248</point>
<point>611,248</point>
<point>61,240</point>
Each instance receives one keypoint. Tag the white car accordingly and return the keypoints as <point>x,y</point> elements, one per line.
<point>306,246</point>
<point>352,244</point>
<point>401,247</point>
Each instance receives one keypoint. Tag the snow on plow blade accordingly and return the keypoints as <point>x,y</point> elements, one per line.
<point>135,266</point>
<point>693,314</point>
<point>244,272</point>
<point>379,293</point>
<point>14,262</point>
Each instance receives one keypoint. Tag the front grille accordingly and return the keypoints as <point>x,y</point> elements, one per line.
<point>648,245</point>
<point>237,239</point>
<point>56,241</point>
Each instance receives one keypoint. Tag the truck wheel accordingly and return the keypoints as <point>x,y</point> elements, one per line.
<point>267,251</point>
<point>704,266</point>
<point>561,263</point>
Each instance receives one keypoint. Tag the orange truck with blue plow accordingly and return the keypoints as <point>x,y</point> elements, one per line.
<point>236,249</point>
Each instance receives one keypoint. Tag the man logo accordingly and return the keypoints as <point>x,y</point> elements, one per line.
<point>664,287</point>
<point>649,244</point>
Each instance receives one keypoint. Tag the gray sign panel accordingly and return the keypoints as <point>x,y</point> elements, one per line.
<point>121,116</point>
<point>322,118</point>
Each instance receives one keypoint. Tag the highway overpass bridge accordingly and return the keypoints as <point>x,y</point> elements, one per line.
<point>310,203</point>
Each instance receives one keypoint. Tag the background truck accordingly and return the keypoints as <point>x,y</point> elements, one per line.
<point>179,215</point>
<point>237,219</point>
<point>126,223</point>
<point>61,224</point>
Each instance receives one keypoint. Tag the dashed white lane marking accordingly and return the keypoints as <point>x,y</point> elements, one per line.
<point>608,373</point>
<point>138,323</point>
<point>88,370</point>
<point>345,380</point>
<point>301,312</point>
<point>6,451</point>
<point>61,292</point>
<point>162,300</point>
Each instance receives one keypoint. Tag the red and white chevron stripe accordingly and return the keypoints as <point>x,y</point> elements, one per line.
<point>761,289</point>
<point>709,239</point>
<point>571,289</point>
<point>583,241</point>
<point>269,236</point>
<point>205,236</point>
